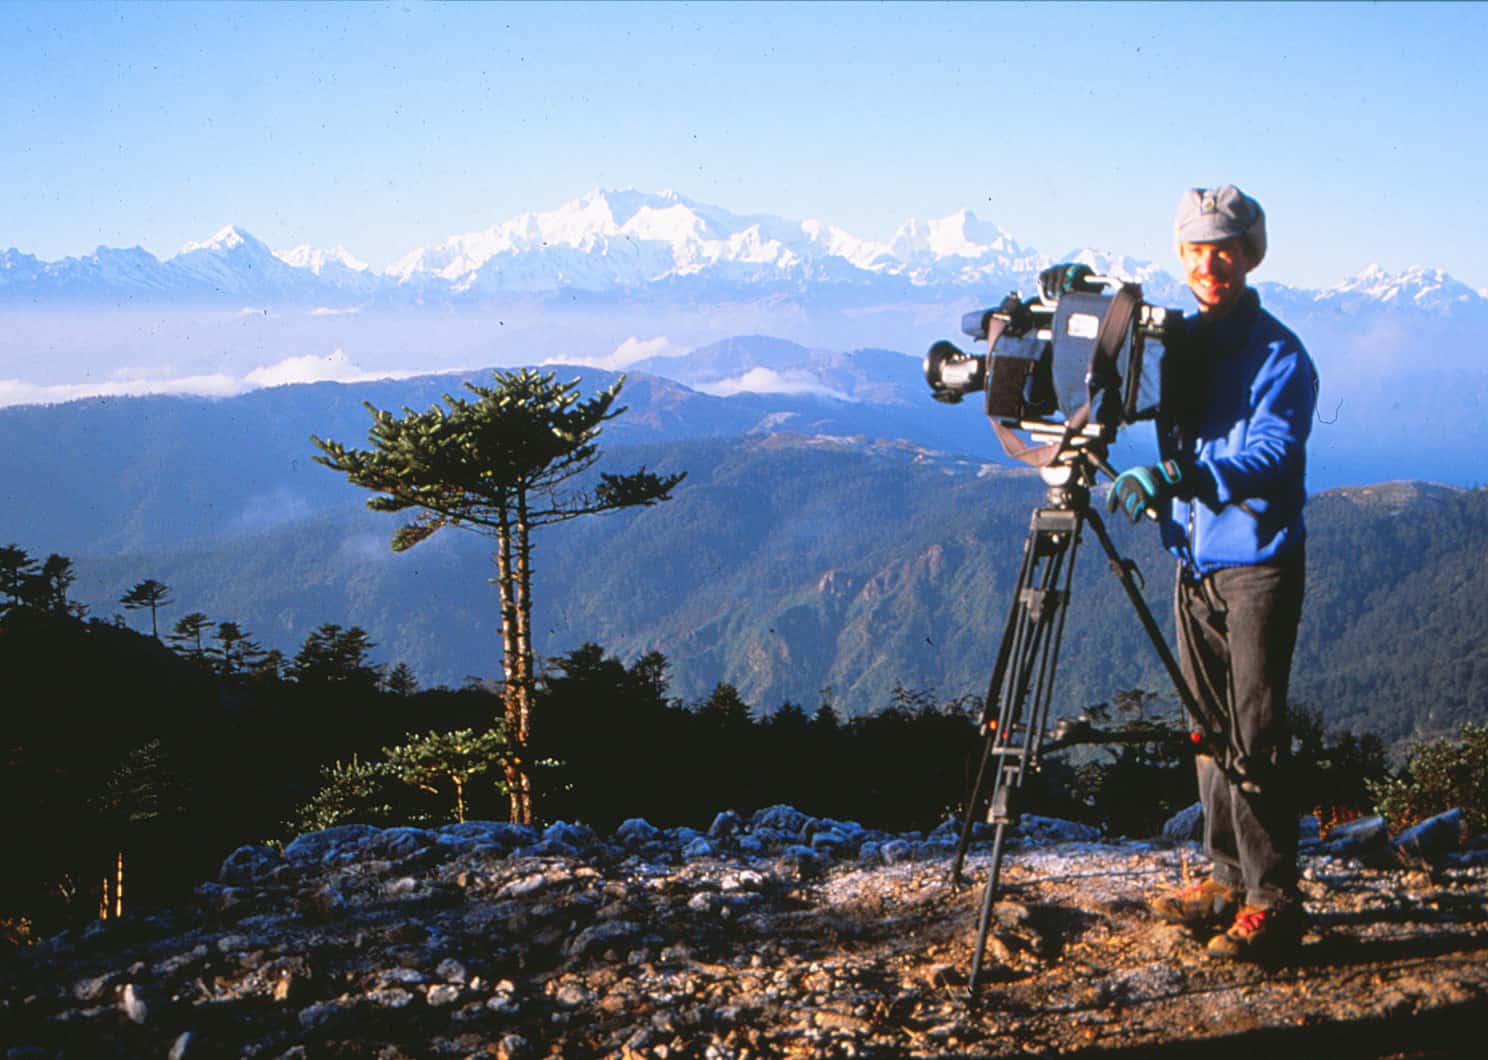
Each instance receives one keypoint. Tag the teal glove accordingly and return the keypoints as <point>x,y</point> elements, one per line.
<point>1144,489</point>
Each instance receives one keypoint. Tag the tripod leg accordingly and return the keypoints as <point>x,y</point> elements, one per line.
<point>984,919</point>
<point>992,724</point>
<point>964,843</point>
<point>1214,729</point>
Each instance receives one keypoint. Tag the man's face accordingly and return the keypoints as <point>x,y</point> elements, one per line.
<point>1216,273</point>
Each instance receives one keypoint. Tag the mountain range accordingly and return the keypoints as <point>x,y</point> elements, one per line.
<point>627,241</point>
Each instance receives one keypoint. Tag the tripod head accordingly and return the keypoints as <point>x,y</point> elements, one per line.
<point>1074,460</point>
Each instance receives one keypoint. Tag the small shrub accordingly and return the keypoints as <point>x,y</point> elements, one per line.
<point>354,792</point>
<point>1439,775</point>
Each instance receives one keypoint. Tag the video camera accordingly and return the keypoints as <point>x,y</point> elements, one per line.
<point>1086,355</point>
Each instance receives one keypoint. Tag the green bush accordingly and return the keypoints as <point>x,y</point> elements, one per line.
<point>1439,775</point>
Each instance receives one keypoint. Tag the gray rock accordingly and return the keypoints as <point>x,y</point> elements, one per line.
<point>549,848</point>
<point>809,828</point>
<point>751,846</point>
<point>800,859</point>
<point>393,997</point>
<point>442,994</point>
<point>219,898</point>
<point>896,851</point>
<point>1056,830</point>
<point>637,830</point>
<point>324,845</point>
<point>780,817</point>
<point>452,971</point>
<point>1360,829</point>
<point>1187,825</point>
<point>513,1047</point>
<point>698,849</point>
<point>133,1005</point>
<point>250,864</point>
<point>950,829</point>
<point>183,1047</point>
<point>828,842</point>
<point>324,1014</point>
<point>398,843</point>
<point>607,935</point>
<point>493,833</point>
<point>742,880</point>
<point>1433,837</point>
<point>92,989</point>
<point>1365,839</point>
<point>726,824</point>
<point>577,836</point>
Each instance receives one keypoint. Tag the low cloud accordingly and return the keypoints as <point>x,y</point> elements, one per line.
<point>16,392</point>
<point>334,367</point>
<point>769,381</point>
<point>335,311</point>
<point>626,354</point>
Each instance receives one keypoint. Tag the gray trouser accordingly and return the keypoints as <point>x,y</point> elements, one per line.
<point>1236,631</point>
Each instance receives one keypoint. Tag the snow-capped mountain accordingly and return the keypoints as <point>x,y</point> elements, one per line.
<point>234,262</point>
<point>337,268</point>
<point>1419,288</point>
<point>319,262</point>
<point>624,240</point>
<point>633,243</point>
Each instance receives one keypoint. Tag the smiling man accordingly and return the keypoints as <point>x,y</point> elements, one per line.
<point>1228,495</point>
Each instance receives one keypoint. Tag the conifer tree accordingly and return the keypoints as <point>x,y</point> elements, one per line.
<point>510,460</point>
<point>186,634</point>
<point>17,568</point>
<point>401,680</point>
<point>148,593</point>
<point>333,655</point>
<point>235,652</point>
<point>140,789</point>
<point>457,757</point>
<point>46,590</point>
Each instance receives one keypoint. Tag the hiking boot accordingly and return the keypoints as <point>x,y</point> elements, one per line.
<point>1260,934</point>
<point>1207,902</point>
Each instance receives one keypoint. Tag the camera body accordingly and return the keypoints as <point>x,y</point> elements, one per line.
<point>1086,348</point>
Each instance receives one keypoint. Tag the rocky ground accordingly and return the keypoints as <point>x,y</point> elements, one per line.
<point>777,936</point>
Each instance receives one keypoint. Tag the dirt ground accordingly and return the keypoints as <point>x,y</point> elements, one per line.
<point>529,957</point>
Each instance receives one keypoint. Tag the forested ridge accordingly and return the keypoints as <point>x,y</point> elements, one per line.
<point>787,564</point>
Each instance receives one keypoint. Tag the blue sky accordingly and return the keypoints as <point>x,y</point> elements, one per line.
<point>387,127</point>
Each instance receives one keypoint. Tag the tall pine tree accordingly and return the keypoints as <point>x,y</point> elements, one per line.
<point>510,460</point>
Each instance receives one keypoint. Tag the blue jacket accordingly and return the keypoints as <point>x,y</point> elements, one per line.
<point>1245,408</point>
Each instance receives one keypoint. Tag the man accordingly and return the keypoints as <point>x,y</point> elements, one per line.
<point>1228,494</point>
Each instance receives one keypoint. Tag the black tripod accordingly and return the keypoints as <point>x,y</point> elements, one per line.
<point>1015,717</point>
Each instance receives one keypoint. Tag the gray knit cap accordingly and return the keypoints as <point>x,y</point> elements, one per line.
<point>1207,215</point>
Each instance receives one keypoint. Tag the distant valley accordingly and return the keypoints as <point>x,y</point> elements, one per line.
<point>849,537</point>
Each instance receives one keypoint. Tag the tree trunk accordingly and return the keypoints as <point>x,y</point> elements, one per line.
<point>525,677</point>
<point>510,661</point>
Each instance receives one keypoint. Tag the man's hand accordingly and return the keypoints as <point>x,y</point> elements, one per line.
<point>1144,489</point>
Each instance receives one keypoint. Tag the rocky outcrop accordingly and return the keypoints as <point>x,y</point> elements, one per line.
<point>774,934</point>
